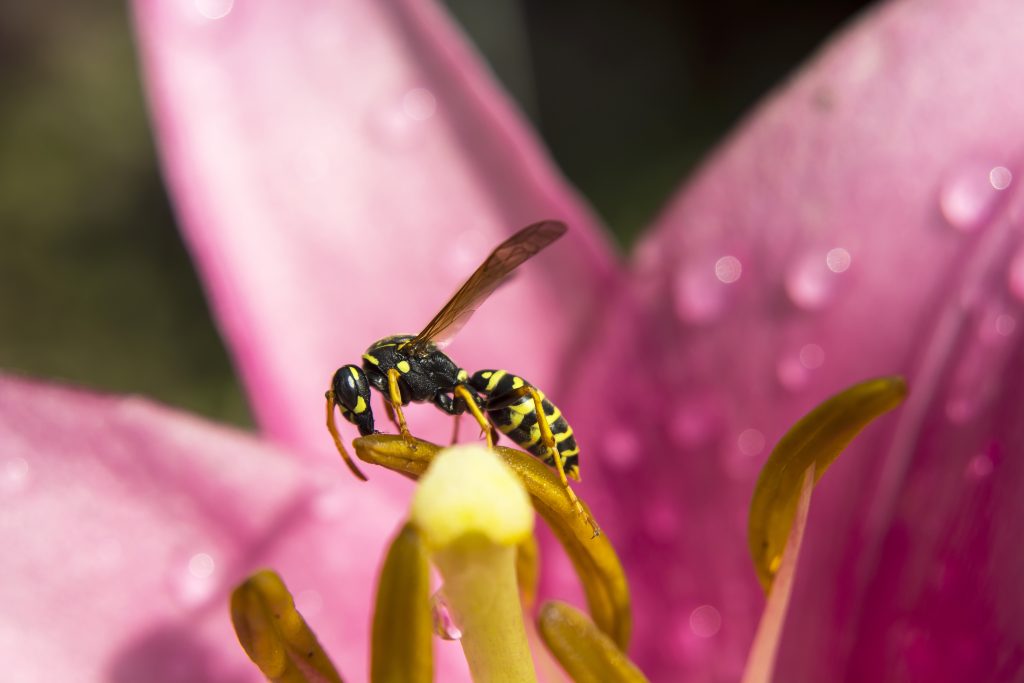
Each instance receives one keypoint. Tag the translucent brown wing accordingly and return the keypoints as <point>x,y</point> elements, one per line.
<point>508,256</point>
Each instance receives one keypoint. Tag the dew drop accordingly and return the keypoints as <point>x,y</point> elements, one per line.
<point>214,9</point>
<point>444,624</point>
<point>1005,324</point>
<point>14,475</point>
<point>838,260</point>
<point>1016,275</point>
<point>1000,177</point>
<point>705,621</point>
<point>750,442</point>
<point>695,422</point>
<point>812,356</point>
<point>621,448</point>
<point>698,295</point>
<point>192,581</point>
<point>201,566</point>
<point>419,104</point>
<point>791,373</point>
<point>967,196</point>
<point>809,282</point>
<point>960,409</point>
<point>979,467</point>
<point>728,269</point>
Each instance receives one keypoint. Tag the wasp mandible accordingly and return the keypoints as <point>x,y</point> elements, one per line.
<point>412,368</point>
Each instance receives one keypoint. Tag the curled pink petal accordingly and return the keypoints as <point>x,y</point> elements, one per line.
<point>338,171</point>
<point>127,525</point>
<point>865,222</point>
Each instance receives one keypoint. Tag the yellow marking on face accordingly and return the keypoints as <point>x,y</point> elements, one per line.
<point>534,436</point>
<point>517,382</point>
<point>355,373</point>
<point>371,359</point>
<point>462,376</point>
<point>495,378</point>
<point>360,406</point>
<point>403,366</point>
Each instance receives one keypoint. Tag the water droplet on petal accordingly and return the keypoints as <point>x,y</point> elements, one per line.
<point>838,260</point>
<point>810,282</point>
<point>1000,177</point>
<point>960,409</point>
<point>705,621</point>
<point>698,295</point>
<point>979,467</point>
<point>791,373</point>
<point>214,9</point>
<point>201,566</point>
<point>419,104</point>
<point>811,356</point>
<point>444,624</point>
<point>14,475</point>
<point>1016,275</point>
<point>695,422</point>
<point>967,196</point>
<point>621,448</point>
<point>1005,325</point>
<point>750,442</point>
<point>728,269</point>
<point>193,581</point>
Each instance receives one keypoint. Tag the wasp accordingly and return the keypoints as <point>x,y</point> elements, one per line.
<point>413,368</point>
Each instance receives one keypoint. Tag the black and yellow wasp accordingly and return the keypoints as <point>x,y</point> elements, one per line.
<point>412,368</point>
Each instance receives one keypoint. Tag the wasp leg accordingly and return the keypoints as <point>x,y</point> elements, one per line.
<point>332,427</point>
<point>549,441</point>
<point>395,396</point>
<point>462,392</point>
<point>455,430</point>
<point>390,411</point>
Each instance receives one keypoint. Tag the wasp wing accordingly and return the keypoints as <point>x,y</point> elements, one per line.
<point>508,256</point>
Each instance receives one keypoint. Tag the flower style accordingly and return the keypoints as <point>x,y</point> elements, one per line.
<point>337,169</point>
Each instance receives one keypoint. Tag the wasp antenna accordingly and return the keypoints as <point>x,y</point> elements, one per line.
<point>333,429</point>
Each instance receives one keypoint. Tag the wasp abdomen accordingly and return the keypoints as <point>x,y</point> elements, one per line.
<point>514,413</point>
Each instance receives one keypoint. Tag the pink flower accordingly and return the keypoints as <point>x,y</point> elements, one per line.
<point>340,168</point>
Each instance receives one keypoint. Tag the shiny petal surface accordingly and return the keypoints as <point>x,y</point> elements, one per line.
<point>864,222</point>
<point>127,525</point>
<point>338,170</point>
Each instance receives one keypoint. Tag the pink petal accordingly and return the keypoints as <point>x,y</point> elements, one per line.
<point>339,169</point>
<point>126,526</point>
<point>852,228</point>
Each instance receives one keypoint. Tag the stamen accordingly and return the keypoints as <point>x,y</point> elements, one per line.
<point>761,660</point>
<point>586,654</point>
<point>815,440</point>
<point>274,634</point>
<point>402,645</point>
<point>472,513</point>
<point>594,558</point>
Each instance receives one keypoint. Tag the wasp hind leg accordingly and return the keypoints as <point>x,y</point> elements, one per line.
<point>549,442</point>
<point>395,399</point>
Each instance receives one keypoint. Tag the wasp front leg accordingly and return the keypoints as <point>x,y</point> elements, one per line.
<point>395,398</point>
<point>461,401</point>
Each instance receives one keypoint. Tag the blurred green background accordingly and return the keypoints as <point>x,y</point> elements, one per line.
<point>97,287</point>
